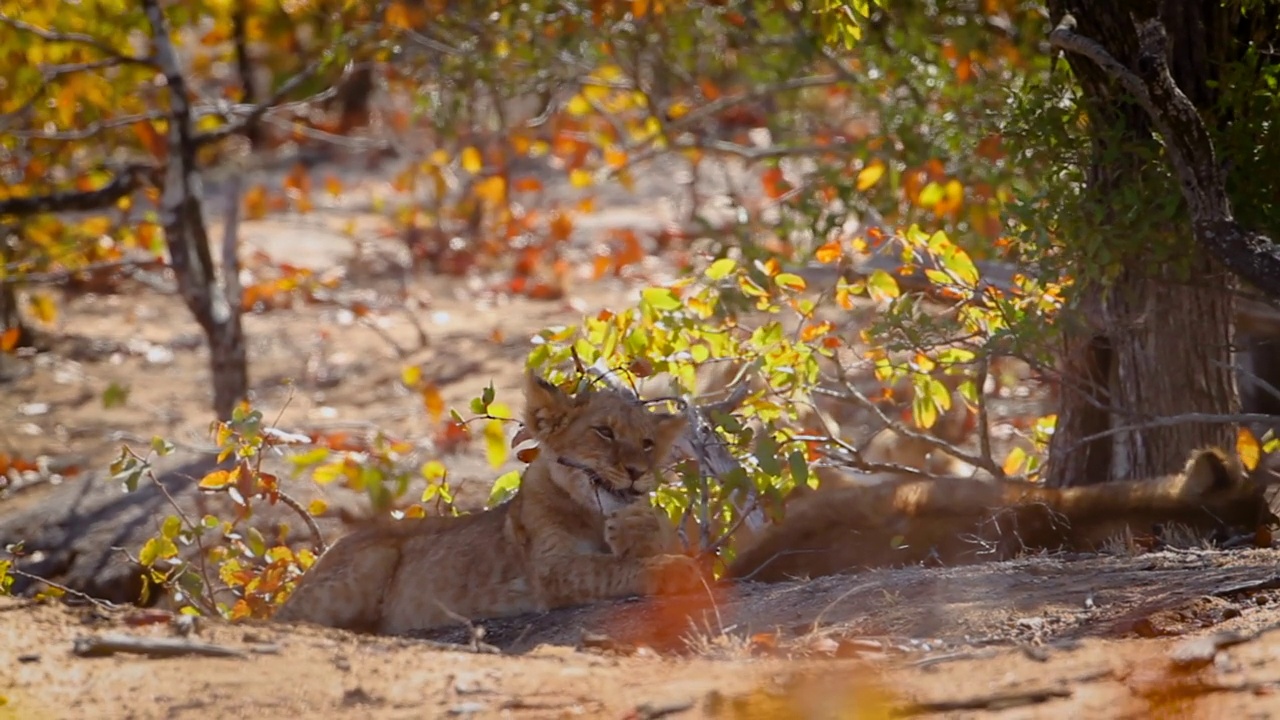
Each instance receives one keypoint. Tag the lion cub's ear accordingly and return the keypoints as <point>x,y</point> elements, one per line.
<point>546,407</point>
<point>670,427</point>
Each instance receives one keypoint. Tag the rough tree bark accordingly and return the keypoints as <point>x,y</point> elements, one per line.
<point>1153,347</point>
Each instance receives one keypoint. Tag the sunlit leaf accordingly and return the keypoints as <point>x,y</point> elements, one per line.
<point>472,161</point>
<point>869,175</point>
<point>719,269</point>
<point>882,287</point>
<point>1248,448</point>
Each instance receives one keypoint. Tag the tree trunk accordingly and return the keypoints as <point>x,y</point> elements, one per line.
<point>1152,347</point>
<point>213,298</point>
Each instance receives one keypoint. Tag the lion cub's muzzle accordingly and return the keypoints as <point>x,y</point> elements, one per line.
<point>626,494</point>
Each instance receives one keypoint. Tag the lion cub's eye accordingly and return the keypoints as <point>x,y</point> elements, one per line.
<point>647,445</point>
<point>603,432</point>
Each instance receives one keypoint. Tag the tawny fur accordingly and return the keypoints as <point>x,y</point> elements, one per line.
<point>957,520</point>
<point>579,529</point>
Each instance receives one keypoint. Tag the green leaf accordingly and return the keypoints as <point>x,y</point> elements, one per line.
<point>721,268</point>
<point>115,395</point>
<point>799,467</point>
<point>767,455</point>
<point>504,487</point>
<point>160,446</point>
<point>789,281</point>
<point>881,286</point>
<point>257,543</point>
<point>170,527</point>
<point>660,298</point>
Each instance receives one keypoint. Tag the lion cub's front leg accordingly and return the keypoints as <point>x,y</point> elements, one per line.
<point>640,531</point>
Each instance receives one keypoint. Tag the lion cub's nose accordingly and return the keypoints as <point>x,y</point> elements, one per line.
<point>634,473</point>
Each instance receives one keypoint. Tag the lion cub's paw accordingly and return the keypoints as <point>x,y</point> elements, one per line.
<point>672,575</point>
<point>638,531</point>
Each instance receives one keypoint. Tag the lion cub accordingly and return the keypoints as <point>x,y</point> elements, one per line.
<point>957,520</point>
<point>579,529</point>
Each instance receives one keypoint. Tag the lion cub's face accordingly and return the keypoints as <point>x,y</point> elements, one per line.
<point>607,446</point>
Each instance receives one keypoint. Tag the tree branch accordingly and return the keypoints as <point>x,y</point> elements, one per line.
<point>1249,254</point>
<point>75,38</point>
<point>127,179</point>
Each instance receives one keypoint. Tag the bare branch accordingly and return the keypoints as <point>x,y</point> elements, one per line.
<point>1171,420</point>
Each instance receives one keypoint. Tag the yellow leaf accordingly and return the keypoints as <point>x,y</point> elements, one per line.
<point>43,308</point>
<point>411,375</point>
<point>495,443</point>
<point>1014,461</point>
<point>1248,448</point>
<point>66,105</point>
<point>678,109</point>
<point>493,189</point>
<point>157,548</point>
<point>870,175</point>
<point>578,106</point>
<point>317,507</point>
<point>216,480</point>
<point>580,178</point>
<point>472,161</point>
<point>433,470</point>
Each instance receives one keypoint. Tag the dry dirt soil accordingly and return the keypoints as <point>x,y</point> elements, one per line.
<point>1170,634</point>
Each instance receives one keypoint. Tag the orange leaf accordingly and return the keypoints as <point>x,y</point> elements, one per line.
<point>151,140</point>
<point>1247,448</point>
<point>527,184</point>
<point>774,184</point>
<point>433,401</point>
<point>561,226</point>
<point>255,203</point>
<point>9,339</point>
<point>600,265</point>
<point>829,253</point>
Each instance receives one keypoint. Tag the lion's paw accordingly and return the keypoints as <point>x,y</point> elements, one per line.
<point>672,575</point>
<point>636,532</point>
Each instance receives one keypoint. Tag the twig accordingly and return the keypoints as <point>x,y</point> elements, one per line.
<point>1170,420</point>
<point>104,604</point>
<point>986,463</point>
<point>14,274</point>
<point>317,538</point>
<point>994,701</point>
<point>110,644</point>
